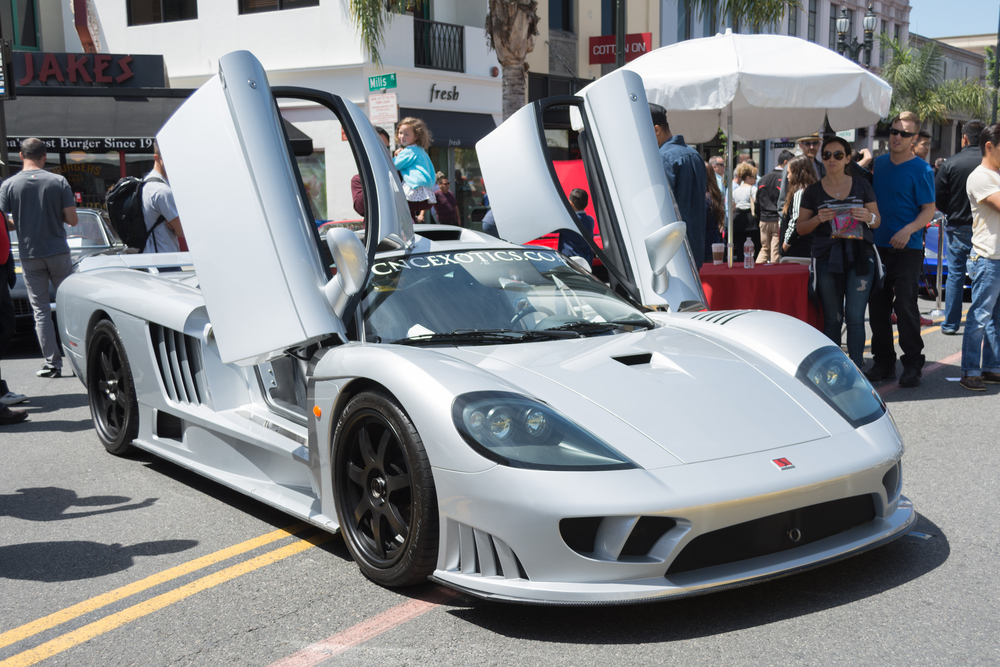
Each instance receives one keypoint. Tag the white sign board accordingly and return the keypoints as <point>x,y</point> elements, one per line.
<point>383,108</point>
<point>847,134</point>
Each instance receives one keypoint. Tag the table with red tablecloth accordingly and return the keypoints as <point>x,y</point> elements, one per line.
<point>783,288</point>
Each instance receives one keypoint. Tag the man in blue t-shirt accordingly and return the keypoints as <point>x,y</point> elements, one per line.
<point>904,191</point>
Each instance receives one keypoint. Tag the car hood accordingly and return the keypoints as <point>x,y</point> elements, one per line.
<point>691,395</point>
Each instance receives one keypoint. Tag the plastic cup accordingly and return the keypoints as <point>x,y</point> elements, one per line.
<point>718,253</point>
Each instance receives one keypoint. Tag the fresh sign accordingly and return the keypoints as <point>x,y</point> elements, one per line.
<point>381,82</point>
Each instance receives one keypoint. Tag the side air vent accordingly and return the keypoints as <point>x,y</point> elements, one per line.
<point>179,363</point>
<point>486,555</point>
<point>443,234</point>
<point>720,317</point>
<point>580,535</point>
<point>773,534</point>
<point>634,359</point>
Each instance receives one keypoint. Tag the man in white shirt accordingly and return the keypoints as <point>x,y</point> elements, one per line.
<point>158,209</point>
<point>981,342</point>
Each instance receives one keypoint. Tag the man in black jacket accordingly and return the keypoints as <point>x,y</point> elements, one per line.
<point>953,201</point>
<point>768,190</point>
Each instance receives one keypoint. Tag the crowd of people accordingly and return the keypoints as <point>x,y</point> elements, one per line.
<point>862,231</point>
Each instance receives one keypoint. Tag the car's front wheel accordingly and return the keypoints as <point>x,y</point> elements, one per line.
<point>111,390</point>
<point>386,502</point>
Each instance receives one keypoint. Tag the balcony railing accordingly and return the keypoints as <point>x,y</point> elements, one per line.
<point>438,45</point>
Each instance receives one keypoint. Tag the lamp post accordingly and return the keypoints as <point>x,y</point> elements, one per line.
<point>853,48</point>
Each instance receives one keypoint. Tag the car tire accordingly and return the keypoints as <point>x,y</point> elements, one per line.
<point>384,488</point>
<point>111,389</point>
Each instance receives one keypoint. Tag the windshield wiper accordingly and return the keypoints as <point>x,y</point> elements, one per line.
<point>592,328</point>
<point>486,336</point>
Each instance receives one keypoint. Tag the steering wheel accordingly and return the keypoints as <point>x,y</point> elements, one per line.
<point>527,310</point>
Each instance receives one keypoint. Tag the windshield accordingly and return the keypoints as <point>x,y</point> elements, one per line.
<point>488,297</point>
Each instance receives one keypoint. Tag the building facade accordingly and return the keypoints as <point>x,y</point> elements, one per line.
<point>438,48</point>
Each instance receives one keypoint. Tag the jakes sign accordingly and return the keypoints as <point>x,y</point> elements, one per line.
<point>91,70</point>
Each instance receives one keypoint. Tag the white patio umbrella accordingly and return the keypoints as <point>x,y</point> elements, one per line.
<point>758,87</point>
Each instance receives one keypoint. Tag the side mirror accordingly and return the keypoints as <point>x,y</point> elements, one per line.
<point>352,268</point>
<point>661,246</point>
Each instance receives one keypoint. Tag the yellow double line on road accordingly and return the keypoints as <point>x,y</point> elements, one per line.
<point>88,632</point>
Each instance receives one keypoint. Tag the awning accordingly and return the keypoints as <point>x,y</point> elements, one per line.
<point>100,123</point>
<point>453,128</point>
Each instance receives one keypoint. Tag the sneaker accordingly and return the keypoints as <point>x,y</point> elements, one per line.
<point>949,332</point>
<point>10,398</point>
<point>49,371</point>
<point>991,378</point>
<point>8,416</point>
<point>925,321</point>
<point>877,373</point>
<point>910,377</point>
<point>971,382</point>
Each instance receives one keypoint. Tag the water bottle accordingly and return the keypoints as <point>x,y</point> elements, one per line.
<point>748,254</point>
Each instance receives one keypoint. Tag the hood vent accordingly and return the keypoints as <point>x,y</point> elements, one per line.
<point>635,359</point>
<point>720,317</point>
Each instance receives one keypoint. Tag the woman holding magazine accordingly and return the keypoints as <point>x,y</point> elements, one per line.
<point>842,212</point>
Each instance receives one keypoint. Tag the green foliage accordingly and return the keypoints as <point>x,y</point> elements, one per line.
<point>372,17</point>
<point>918,84</point>
<point>746,12</point>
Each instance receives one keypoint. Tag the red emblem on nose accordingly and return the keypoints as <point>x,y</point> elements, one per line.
<point>783,463</point>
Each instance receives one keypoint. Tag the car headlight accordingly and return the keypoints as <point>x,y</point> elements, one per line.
<point>520,432</point>
<point>836,379</point>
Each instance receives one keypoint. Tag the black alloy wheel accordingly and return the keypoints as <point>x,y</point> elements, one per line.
<point>386,502</point>
<point>111,390</point>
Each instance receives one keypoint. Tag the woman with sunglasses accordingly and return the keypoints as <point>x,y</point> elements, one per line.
<point>842,212</point>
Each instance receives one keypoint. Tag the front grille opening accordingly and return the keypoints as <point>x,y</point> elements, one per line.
<point>890,481</point>
<point>580,534</point>
<point>773,534</point>
<point>647,530</point>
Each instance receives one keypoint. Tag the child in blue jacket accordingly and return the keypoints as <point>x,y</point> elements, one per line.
<point>414,164</point>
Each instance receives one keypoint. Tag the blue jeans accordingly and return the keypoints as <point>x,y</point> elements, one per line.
<point>836,289</point>
<point>959,246</point>
<point>983,320</point>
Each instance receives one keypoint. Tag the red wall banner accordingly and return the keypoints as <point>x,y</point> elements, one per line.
<point>602,49</point>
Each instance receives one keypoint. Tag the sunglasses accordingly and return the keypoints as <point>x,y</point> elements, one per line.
<point>839,155</point>
<point>906,135</point>
<point>809,143</point>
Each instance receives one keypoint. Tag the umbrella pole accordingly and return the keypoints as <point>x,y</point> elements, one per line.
<point>729,187</point>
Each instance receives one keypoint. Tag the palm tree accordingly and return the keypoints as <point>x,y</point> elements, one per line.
<point>511,26</point>
<point>918,85</point>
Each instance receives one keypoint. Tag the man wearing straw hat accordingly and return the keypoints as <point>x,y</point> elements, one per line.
<point>809,147</point>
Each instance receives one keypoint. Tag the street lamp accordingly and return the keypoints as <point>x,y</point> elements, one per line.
<point>853,48</point>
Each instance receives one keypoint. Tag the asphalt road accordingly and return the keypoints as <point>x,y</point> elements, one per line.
<point>134,561</point>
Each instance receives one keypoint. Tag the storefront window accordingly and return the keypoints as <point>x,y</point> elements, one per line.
<point>254,6</point>
<point>25,16</point>
<point>145,12</point>
<point>312,168</point>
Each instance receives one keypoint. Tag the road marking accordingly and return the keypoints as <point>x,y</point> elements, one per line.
<point>118,619</point>
<point>362,632</point>
<point>87,606</point>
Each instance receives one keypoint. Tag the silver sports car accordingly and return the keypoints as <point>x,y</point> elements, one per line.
<point>466,409</point>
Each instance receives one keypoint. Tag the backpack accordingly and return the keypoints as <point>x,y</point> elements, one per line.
<point>124,202</point>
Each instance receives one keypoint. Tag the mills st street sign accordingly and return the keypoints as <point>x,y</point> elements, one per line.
<point>381,82</point>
